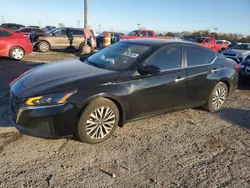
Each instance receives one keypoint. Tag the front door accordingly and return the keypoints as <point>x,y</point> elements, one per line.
<point>165,91</point>
<point>202,73</point>
<point>78,37</point>
<point>4,50</point>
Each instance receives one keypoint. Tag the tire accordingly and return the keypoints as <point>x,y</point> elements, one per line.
<point>43,46</point>
<point>80,50</point>
<point>17,53</point>
<point>95,112</point>
<point>217,97</point>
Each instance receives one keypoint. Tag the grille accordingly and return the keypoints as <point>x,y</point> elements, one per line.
<point>15,103</point>
<point>233,55</point>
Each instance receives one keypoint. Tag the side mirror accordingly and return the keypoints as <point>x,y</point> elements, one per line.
<point>148,69</point>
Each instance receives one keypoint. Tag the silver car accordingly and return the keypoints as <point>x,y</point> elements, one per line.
<point>238,53</point>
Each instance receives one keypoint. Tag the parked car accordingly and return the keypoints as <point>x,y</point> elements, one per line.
<point>14,45</point>
<point>62,38</point>
<point>34,26</point>
<point>131,79</point>
<point>245,72</point>
<point>233,44</point>
<point>47,28</point>
<point>223,42</point>
<point>210,42</point>
<point>239,53</point>
<point>100,37</point>
<point>11,26</point>
<point>142,34</point>
<point>27,30</point>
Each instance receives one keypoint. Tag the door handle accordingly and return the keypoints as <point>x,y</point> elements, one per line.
<point>179,79</point>
<point>214,70</point>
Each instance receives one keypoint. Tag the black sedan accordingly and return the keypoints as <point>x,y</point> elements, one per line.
<point>89,97</point>
<point>245,72</point>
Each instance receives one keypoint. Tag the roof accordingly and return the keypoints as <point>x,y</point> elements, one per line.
<point>154,41</point>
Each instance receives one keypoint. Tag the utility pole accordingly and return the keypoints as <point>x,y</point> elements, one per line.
<point>99,28</point>
<point>78,23</point>
<point>138,26</point>
<point>85,13</point>
<point>215,29</point>
<point>2,19</point>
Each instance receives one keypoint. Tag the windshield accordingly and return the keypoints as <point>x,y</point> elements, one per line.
<point>241,47</point>
<point>199,39</point>
<point>119,56</point>
<point>133,33</point>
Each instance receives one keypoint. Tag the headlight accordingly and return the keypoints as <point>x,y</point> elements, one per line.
<point>58,98</point>
<point>242,66</point>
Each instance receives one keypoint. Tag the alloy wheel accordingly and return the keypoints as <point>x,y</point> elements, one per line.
<point>44,47</point>
<point>100,123</point>
<point>219,97</point>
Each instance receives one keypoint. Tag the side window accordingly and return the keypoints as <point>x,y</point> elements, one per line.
<point>143,34</point>
<point>168,58</point>
<point>60,32</point>
<point>206,41</point>
<point>210,56</point>
<point>4,33</point>
<point>150,33</point>
<point>195,55</point>
<point>77,32</point>
<point>26,30</point>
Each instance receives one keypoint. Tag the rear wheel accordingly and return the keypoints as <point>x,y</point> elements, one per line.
<point>217,97</point>
<point>17,53</point>
<point>98,121</point>
<point>43,46</point>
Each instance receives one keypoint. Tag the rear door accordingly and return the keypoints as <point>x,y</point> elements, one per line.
<point>167,90</point>
<point>150,34</point>
<point>202,73</point>
<point>58,39</point>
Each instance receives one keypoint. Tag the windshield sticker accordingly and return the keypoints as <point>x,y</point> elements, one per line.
<point>130,54</point>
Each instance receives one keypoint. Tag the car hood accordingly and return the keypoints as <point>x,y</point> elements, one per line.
<point>238,52</point>
<point>61,75</point>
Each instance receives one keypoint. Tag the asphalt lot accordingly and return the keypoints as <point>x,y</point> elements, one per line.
<point>188,148</point>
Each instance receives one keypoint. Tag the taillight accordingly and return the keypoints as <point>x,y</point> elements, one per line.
<point>22,75</point>
<point>237,67</point>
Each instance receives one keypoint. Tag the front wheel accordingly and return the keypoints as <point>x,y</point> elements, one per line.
<point>43,46</point>
<point>98,121</point>
<point>217,97</point>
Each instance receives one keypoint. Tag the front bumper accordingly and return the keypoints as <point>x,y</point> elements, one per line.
<point>54,121</point>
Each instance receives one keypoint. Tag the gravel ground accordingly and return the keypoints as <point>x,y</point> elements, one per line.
<point>188,148</point>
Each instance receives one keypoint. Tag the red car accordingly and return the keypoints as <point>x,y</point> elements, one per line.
<point>27,30</point>
<point>210,42</point>
<point>142,34</point>
<point>14,45</point>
